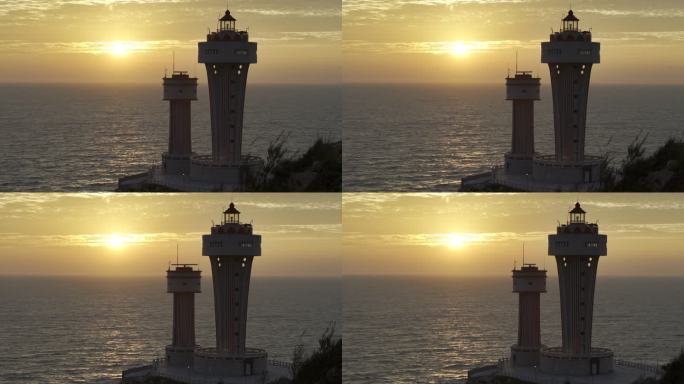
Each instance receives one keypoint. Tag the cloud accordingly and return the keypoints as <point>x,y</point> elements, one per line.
<point>332,12</point>
<point>654,204</point>
<point>93,239</point>
<point>312,36</point>
<point>661,229</point>
<point>379,6</point>
<point>660,13</point>
<point>434,47</point>
<point>439,239</point>
<point>94,47</point>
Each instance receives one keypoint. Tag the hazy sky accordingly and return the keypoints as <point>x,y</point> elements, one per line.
<point>471,234</point>
<point>124,41</point>
<point>474,41</point>
<point>131,235</point>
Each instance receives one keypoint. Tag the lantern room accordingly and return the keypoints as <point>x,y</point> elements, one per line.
<point>570,22</point>
<point>577,215</point>
<point>231,215</point>
<point>227,22</point>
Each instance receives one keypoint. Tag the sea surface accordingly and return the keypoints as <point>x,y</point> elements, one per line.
<point>88,330</point>
<point>405,330</point>
<point>427,137</point>
<point>84,137</point>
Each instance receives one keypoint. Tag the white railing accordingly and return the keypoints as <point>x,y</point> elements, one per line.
<point>651,368</point>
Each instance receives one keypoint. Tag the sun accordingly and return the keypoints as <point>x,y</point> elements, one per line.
<point>456,240</point>
<point>118,49</point>
<point>459,48</point>
<point>115,241</point>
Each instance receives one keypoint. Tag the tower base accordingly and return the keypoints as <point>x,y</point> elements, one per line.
<point>179,356</point>
<point>252,362</point>
<point>205,169</point>
<point>525,356</point>
<point>175,164</point>
<point>548,169</point>
<point>555,361</point>
<point>518,164</point>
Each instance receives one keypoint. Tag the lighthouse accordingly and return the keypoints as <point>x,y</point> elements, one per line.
<point>179,89</point>
<point>577,247</point>
<point>183,281</point>
<point>528,282</point>
<point>570,54</point>
<point>522,89</point>
<point>231,247</point>
<point>227,54</point>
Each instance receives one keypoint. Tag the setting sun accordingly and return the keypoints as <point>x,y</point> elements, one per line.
<point>118,49</point>
<point>459,48</point>
<point>457,240</point>
<point>116,241</point>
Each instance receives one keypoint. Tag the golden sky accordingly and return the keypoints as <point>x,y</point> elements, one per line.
<point>131,41</point>
<point>474,41</point>
<point>136,235</point>
<point>477,235</point>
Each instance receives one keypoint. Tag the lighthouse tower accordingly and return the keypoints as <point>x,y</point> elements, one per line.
<point>577,247</point>
<point>179,89</point>
<point>183,281</point>
<point>231,248</point>
<point>523,90</point>
<point>570,54</point>
<point>528,282</point>
<point>227,54</point>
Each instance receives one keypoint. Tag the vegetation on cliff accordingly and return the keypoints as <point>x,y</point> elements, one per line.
<point>319,169</point>
<point>673,372</point>
<point>323,366</point>
<point>662,171</point>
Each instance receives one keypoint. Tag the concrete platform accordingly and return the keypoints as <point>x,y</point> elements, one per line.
<point>275,369</point>
<point>498,176</point>
<point>624,372</point>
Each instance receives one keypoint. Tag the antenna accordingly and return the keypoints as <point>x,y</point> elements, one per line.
<point>165,71</point>
<point>516,61</point>
<point>523,252</point>
<point>174,61</point>
<point>177,253</point>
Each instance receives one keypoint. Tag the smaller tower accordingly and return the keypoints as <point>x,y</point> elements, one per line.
<point>523,90</point>
<point>183,281</point>
<point>179,89</point>
<point>528,282</point>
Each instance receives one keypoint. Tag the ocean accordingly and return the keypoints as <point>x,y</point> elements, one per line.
<point>433,329</point>
<point>84,137</point>
<point>427,137</point>
<point>87,330</point>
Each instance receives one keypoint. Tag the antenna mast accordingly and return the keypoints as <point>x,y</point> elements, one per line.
<point>516,61</point>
